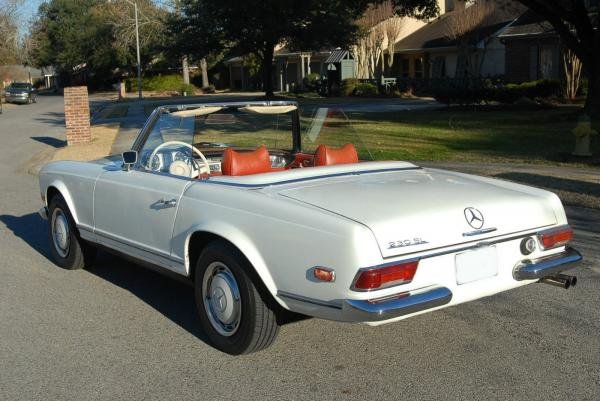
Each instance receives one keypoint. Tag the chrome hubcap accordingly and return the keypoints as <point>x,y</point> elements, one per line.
<point>221,297</point>
<point>60,233</point>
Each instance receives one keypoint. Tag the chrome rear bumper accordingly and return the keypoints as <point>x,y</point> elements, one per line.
<point>540,268</point>
<point>374,311</point>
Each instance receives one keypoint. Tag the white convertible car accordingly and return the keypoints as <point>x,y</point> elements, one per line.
<point>264,212</point>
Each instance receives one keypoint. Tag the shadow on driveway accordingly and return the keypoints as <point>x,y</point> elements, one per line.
<point>172,298</point>
<point>31,228</point>
<point>48,140</point>
<point>52,118</point>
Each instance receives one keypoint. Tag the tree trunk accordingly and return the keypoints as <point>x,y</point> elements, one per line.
<point>267,68</point>
<point>592,103</point>
<point>204,69</point>
<point>186,70</point>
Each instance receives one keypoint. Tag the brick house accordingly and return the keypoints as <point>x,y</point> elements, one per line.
<point>533,49</point>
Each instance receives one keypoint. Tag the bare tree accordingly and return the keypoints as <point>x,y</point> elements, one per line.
<point>572,66</point>
<point>9,31</point>
<point>369,50</point>
<point>465,27</point>
<point>152,22</point>
<point>393,29</point>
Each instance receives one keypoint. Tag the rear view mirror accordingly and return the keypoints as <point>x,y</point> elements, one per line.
<point>129,158</point>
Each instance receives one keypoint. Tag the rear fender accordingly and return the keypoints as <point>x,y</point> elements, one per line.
<point>241,241</point>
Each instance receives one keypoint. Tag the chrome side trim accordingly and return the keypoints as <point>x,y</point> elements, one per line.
<point>543,267</point>
<point>301,298</point>
<point>103,235</point>
<point>374,311</point>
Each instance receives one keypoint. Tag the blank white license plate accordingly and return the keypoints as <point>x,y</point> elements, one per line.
<point>476,264</point>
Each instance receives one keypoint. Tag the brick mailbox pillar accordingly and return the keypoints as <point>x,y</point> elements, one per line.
<point>77,115</point>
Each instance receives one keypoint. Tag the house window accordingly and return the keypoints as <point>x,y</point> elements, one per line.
<point>418,67</point>
<point>549,62</point>
<point>533,63</point>
<point>405,68</point>
<point>438,67</point>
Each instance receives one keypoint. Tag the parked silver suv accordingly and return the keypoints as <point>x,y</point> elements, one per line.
<point>20,92</point>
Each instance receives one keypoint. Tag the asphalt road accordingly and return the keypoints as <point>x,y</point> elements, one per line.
<point>120,332</point>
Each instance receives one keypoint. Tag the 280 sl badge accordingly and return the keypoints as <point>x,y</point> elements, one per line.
<point>406,242</point>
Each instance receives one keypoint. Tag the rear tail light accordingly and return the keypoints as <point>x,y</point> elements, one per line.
<point>556,237</point>
<point>382,277</point>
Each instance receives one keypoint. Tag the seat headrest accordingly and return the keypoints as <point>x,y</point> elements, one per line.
<point>245,163</point>
<point>326,156</point>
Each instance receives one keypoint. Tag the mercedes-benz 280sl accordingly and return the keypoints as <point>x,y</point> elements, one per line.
<point>265,212</point>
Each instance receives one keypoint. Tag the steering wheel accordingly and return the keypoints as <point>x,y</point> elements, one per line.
<point>203,170</point>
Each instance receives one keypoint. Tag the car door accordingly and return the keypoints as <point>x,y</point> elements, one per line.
<point>135,209</point>
<point>134,212</point>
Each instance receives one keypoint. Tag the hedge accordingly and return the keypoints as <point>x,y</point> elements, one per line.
<point>478,91</point>
<point>365,89</point>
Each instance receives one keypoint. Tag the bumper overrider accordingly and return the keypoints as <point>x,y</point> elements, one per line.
<point>547,266</point>
<point>408,303</point>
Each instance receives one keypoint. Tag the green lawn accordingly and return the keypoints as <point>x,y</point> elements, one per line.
<point>531,136</point>
<point>114,111</point>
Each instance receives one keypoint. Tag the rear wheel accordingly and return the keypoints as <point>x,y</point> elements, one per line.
<point>68,249</point>
<point>234,315</point>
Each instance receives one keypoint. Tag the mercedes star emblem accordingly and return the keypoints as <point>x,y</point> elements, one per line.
<point>474,217</point>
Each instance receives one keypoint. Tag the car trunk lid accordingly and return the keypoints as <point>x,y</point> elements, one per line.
<point>415,210</point>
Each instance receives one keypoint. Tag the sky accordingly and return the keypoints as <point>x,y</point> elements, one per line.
<point>27,10</point>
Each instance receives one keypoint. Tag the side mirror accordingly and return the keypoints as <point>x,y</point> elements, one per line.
<point>129,159</point>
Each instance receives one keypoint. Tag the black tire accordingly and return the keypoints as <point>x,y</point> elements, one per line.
<point>257,325</point>
<point>77,253</point>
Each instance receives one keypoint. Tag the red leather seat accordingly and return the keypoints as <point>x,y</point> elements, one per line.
<point>326,156</point>
<point>245,163</point>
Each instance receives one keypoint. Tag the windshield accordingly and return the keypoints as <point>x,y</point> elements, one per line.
<point>197,140</point>
<point>20,85</point>
<point>240,128</point>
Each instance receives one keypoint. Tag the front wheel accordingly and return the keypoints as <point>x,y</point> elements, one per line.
<point>234,315</point>
<point>68,249</point>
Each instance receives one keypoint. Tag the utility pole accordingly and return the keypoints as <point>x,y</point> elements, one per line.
<point>137,43</point>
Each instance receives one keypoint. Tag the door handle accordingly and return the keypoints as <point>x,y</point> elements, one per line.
<point>168,202</point>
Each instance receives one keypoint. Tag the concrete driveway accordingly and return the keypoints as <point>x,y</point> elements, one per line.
<point>120,332</point>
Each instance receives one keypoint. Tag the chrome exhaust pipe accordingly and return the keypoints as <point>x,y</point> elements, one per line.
<point>560,280</point>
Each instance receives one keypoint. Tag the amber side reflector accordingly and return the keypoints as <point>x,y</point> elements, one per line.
<point>553,239</point>
<point>385,276</point>
<point>324,274</point>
